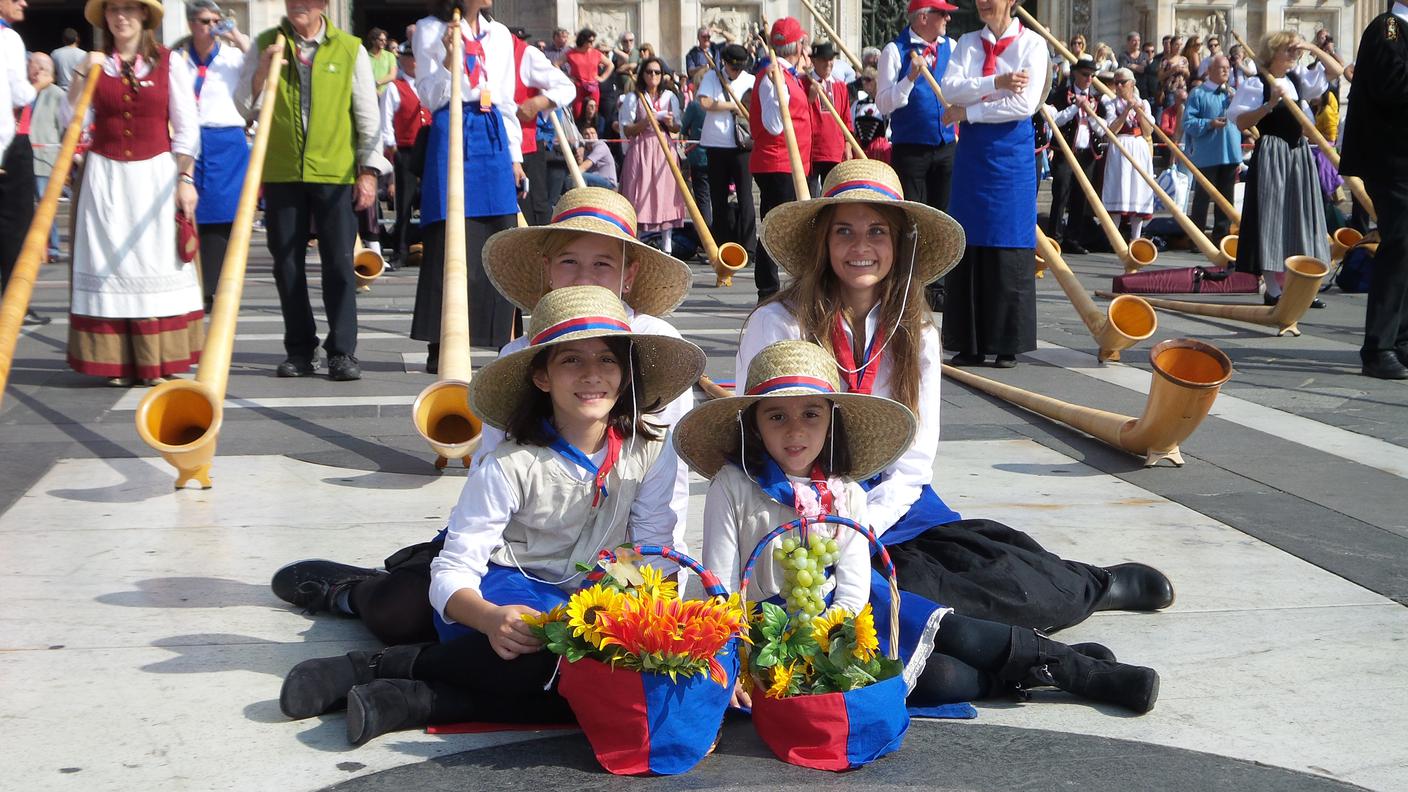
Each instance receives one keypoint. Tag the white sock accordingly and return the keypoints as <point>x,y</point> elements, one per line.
<point>667,242</point>
<point>1273,286</point>
<point>374,247</point>
<point>1136,225</point>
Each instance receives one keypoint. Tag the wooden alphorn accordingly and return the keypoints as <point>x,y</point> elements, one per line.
<point>841,122</point>
<point>794,154</point>
<point>835,38</point>
<point>568,154</point>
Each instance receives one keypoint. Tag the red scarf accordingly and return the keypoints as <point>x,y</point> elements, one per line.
<point>991,51</point>
<point>858,379</point>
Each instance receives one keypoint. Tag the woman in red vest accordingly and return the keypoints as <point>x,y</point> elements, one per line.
<point>771,168</point>
<point>136,307</point>
<point>829,145</point>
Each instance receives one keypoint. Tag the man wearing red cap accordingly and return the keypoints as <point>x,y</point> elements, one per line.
<point>770,165</point>
<point>923,143</point>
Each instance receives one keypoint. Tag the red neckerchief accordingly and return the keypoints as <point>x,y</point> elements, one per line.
<point>613,454</point>
<point>931,53</point>
<point>858,379</point>
<point>202,66</point>
<point>823,492</point>
<point>991,51</point>
<point>22,127</point>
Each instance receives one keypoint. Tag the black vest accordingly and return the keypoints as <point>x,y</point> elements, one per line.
<point>1281,122</point>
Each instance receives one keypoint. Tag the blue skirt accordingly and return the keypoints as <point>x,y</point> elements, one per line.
<point>994,184</point>
<point>489,189</point>
<point>505,586</point>
<point>219,174</point>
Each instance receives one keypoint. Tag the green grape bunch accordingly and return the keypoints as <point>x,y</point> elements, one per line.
<point>804,568</point>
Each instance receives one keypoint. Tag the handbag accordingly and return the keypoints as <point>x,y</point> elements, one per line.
<point>187,239</point>
<point>742,135</point>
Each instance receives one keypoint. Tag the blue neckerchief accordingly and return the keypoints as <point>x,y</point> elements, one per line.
<point>202,66</point>
<point>575,455</point>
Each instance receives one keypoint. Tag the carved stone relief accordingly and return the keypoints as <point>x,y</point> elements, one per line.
<point>1201,21</point>
<point>1306,21</point>
<point>738,19</point>
<point>610,20</point>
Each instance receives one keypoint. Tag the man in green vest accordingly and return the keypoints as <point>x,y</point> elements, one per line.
<point>322,165</point>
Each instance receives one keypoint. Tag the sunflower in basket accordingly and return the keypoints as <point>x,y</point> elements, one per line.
<point>833,652</point>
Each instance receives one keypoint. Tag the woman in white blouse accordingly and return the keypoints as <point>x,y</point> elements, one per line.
<point>135,311</point>
<point>1124,193</point>
<point>646,180</point>
<point>1282,215</point>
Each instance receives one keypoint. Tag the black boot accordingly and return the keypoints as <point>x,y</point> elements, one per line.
<point>1094,651</point>
<point>316,585</point>
<point>1054,663</point>
<point>1136,587</point>
<point>318,686</point>
<point>387,705</point>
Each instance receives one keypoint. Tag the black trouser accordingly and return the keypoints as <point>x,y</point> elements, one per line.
<point>559,180</point>
<point>407,198</point>
<point>537,204</point>
<point>491,315</point>
<point>214,239</point>
<point>1224,178</point>
<point>703,196</point>
<point>820,170</point>
<point>289,208</point>
<point>16,202</point>
<point>730,166</point>
<point>1066,195</point>
<point>774,190</point>
<point>471,682</point>
<point>1386,314</point>
<point>925,172</point>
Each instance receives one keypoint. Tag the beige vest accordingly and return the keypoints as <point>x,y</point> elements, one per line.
<point>757,514</point>
<point>556,525</point>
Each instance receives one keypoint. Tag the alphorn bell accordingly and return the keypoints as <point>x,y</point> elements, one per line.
<point>441,411</point>
<point>1341,241</point>
<point>800,187</point>
<point>1222,202</point>
<point>1355,184</point>
<point>726,259</point>
<point>181,419</point>
<point>1139,253</point>
<point>36,240</point>
<point>1187,377</point>
<point>1124,324</point>
<point>1303,276</point>
<point>367,265</point>
<point>1223,255</point>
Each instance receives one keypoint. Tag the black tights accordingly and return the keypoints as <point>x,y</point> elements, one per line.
<point>471,682</point>
<point>396,607</point>
<point>967,655</point>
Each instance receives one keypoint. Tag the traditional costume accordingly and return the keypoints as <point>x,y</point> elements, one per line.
<point>646,180</point>
<point>535,75</point>
<point>829,144</point>
<point>16,155</point>
<point>1074,124</point>
<point>405,125</point>
<point>1125,193</point>
<point>922,145</point>
<point>770,163</point>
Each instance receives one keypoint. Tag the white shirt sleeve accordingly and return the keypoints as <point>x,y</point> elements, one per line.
<point>653,518</point>
<point>476,529</point>
<point>537,71</point>
<point>901,483</point>
<point>1247,98</point>
<point>892,93</point>
<point>244,85</point>
<point>432,78</point>
<point>768,324</point>
<point>390,103</point>
<point>16,68</point>
<point>1313,81</point>
<point>720,552</point>
<point>626,110</point>
<point>1009,106</point>
<point>668,417</point>
<point>768,101</point>
<point>852,570</point>
<point>366,115</point>
<point>181,106</point>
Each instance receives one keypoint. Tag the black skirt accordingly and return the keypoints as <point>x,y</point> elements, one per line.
<point>491,315</point>
<point>990,308</point>
<point>986,570</point>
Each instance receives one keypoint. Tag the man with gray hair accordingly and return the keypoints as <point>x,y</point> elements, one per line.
<point>696,61</point>
<point>1133,57</point>
<point>46,131</point>
<point>556,50</point>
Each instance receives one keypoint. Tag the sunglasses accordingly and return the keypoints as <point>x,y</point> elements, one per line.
<point>208,22</point>
<point>649,72</point>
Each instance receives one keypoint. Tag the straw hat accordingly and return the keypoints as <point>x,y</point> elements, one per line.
<point>878,429</point>
<point>514,257</point>
<point>93,12</point>
<point>790,231</point>
<point>668,365</point>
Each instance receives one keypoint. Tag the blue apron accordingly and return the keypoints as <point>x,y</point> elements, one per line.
<point>994,184</point>
<point>505,586</point>
<point>926,512</point>
<point>219,174</point>
<point>489,189</point>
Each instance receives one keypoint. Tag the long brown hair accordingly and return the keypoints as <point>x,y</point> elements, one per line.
<point>814,299</point>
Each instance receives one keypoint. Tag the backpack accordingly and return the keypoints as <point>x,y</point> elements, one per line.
<point>1356,269</point>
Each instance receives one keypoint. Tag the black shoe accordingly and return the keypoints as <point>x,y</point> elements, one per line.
<point>32,319</point>
<point>1385,365</point>
<point>296,367</point>
<point>965,359</point>
<point>934,296</point>
<point>1402,355</point>
<point>343,368</point>
<point>1317,303</point>
<point>432,358</point>
<point>1005,361</point>
<point>387,705</point>
<point>1074,248</point>
<point>1268,299</point>
<point>1051,662</point>
<point>1136,587</point>
<point>1094,651</point>
<point>315,584</point>
<point>318,686</point>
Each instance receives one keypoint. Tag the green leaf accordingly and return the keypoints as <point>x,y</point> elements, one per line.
<point>556,631</point>
<point>773,622</point>
<point>768,656</point>
<point>856,678</point>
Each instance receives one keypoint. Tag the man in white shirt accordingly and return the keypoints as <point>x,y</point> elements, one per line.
<point>1073,104</point>
<point>16,156</point>
<point>67,58</point>
<point>728,162</point>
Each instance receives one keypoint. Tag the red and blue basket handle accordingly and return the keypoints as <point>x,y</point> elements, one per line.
<point>802,526</point>
<point>712,586</point>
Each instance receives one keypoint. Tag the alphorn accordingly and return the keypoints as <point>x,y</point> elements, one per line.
<point>1225,205</point>
<point>367,264</point>
<point>726,259</point>
<point>1356,185</point>
<point>835,38</point>
<point>1139,253</point>
<point>802,191</point>
<point>441,411</point>
<point>1187,377</point>
<point>573,169</point>
<point>36,240</point>
<point>1124,324</point>
<point>1222,255</point>
<point>181,419</point>
<point>1303,276</point>
<point>1341,241</point>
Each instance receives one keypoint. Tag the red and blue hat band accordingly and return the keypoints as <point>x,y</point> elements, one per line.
<point>599,214</point>
<point>780,383</point>
<point>580,324</point>
<point>862,184</point>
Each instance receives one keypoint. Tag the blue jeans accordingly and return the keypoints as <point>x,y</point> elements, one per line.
<point>41,183</point>
<point>595,180</point>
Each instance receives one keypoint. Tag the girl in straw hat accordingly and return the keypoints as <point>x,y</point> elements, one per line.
<point>580,471</point>
<point>591,241</point>
<point>136,308</point>
<point>860,257</point>
<point>795,445</point>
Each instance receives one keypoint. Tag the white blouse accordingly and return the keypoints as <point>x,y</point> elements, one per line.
<point>965,85</point>
<point>901,482</point>
<point>666,102</point>
<point>216,104</point>
<point>496,73</point>
<point>1249,95</point>
<point>180,103</point>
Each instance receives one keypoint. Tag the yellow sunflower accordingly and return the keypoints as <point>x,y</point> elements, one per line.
<point>539,620</point>
<point>867,641</point>
<point>827,627</point>
<point>655,584</point>
<point>782,676</point>
<point>583,609</point>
